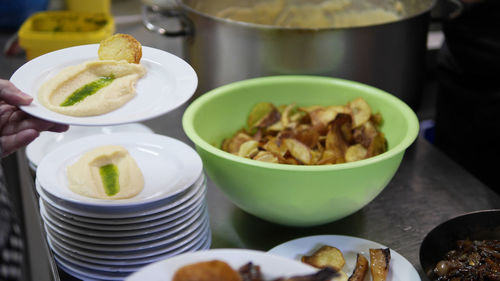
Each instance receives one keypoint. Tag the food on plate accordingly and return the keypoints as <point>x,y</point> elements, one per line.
<point>207,271</point>
<point>331,257</point>
<point>470,260</point>
<point>106,172</point>
<point>217,270</point>
<point>95,87</point>
<point>120,47</point>
<point>316,14</point>
<point>326,256</point>
<point>379,263</point>
<point>360,269</point>
<point>312,135</point>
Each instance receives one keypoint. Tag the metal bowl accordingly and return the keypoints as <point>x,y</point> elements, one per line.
<point>481,225</point>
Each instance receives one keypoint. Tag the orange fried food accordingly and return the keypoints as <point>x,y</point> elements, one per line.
<point>214,270</point>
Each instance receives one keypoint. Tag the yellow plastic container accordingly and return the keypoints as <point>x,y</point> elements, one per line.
<point>49,31</point>
<point>96,6</point>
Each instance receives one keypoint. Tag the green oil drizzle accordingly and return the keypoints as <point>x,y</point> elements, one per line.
<point>88,90</point>
<point>109,175</point>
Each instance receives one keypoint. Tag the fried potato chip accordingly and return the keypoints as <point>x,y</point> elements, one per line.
<point>355,152</point>
<point>326,256</point>
<point>249,149</point>
<point>233,144</point>
<point>298,150</point>
<point>312,135</point>
<point>360,111</point>
<point>266,156</point>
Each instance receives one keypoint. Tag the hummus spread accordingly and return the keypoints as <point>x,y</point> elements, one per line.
<point>91,88</point>
<point>106,172</point>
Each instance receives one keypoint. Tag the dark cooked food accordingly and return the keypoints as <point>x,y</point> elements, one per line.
<point>217,270</point>
<point>477,260</point>
<point>312,135</point>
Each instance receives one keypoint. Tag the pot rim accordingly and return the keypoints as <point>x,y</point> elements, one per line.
<point>181,4</point>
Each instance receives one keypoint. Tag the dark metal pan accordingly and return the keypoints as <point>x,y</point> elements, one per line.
<point>481,225</point>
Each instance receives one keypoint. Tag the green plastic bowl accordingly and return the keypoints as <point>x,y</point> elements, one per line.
<point>291,194</point>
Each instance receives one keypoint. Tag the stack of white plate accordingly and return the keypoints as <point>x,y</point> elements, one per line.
<point>95,239</point>
<point>48,141</point>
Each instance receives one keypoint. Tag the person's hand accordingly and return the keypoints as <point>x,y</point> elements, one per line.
<point>17,128</point>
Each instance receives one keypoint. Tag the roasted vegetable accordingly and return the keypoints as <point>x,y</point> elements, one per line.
<point>379,263</point>
<point>326,256</point>
<point>360,270</point>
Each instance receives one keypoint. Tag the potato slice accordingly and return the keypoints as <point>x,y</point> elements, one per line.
<point>355,152</point>
<point>379,263</point>
<point>326,256</point>
<point>249,149</point>
<point>299,150</point>
<point>266,156</point>
<point>233,144</point>
<point>360,112</point>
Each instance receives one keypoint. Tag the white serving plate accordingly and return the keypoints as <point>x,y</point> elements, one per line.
<point>272,266</point>
<point>191,196</point>
<point>70,221</point>
<point>165,251</point>
<point>89,275</point>
<point>118,243</point>
<point>400,268</point>
<point>48,141</point>
<point>168,83</point>
<point>202,245</point>
<point>169,167</point>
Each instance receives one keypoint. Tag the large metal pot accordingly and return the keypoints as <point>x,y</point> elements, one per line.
<point>389,56</point>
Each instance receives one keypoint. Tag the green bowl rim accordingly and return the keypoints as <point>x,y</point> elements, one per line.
<point>412,132</point>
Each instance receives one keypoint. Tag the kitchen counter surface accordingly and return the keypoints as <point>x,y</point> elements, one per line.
<point>428,189</point>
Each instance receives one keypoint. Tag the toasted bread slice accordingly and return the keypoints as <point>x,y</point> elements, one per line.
<point>214,270</point>
<point>120,47</point>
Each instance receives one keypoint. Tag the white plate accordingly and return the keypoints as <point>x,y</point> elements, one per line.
<point>48,141</point>
<point>72,220</point>
<point>193,195</point>
<point>203,245</point>
<point>272,266</point>
<point>169,167</point>
<point>167,250</point>
<point>400,268</point>
<point>118,236</point>
<point>92,274</point>
<point>94,264</point>
<point>139,242</point>
<point>169,83</point>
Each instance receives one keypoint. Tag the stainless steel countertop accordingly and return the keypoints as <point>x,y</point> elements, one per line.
<point>427,189</point>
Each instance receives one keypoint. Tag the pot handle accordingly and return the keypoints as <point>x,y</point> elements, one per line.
<point>149,11</point>
<point>447,10</point>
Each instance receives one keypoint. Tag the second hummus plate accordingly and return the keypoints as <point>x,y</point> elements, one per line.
<point>168,83</point>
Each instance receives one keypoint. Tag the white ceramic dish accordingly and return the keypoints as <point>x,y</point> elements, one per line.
<point>400,268</point>
<point>119,243</point>
<point>70,220</point>
<point>169,83</point>
<point>131,216</point>
<point>167,250</point>
<point>93,263</point>
<point>90,275</point>
<point>272,266</point>
<point>48,141</point>
<point>203,245</point>
<point>169,167</point>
